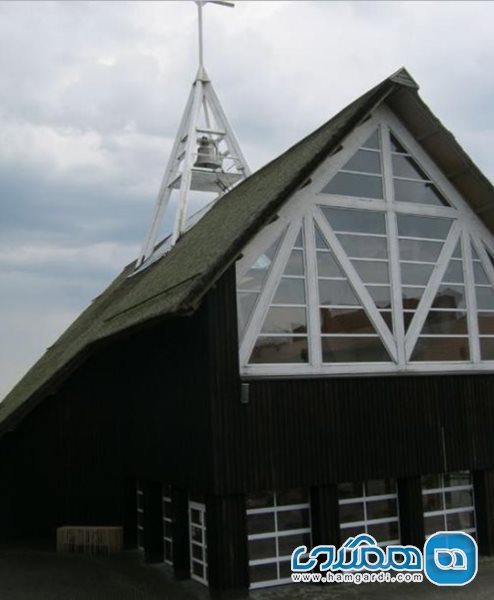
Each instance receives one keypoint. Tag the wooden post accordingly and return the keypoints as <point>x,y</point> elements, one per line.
<point>411,511</point>
<point>483,490</point>
<point>180,532</point>
<point>153,522</point>
<point>324,515</point>
<point>226,534</point>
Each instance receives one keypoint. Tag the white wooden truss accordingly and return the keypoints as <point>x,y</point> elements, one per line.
<point>203,121</point>
<point>377,264</point>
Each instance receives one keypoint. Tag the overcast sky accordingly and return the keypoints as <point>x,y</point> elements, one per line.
<point>91,94</point>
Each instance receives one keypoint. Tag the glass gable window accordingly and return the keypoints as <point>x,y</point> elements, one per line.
<point>378,269</point>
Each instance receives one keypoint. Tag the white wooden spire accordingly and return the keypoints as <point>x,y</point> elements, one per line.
<point>205,156</point>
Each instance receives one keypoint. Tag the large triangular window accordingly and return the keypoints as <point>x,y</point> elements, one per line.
<point>376,264</point>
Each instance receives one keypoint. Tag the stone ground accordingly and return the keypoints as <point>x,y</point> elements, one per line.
<point>38,573</point>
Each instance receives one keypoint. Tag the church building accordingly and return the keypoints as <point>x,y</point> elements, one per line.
<point>312,357</point>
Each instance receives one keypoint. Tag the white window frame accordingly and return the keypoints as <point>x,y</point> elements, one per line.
<point>303,208</point>
<point>140,516</point>
<point>364,524</point>
<point>444,512</point>
<point>201,508</point>
<point>489,271</point>
<point>167,520</point>
<point>275,509</point>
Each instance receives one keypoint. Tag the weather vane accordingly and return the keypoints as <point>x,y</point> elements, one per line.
<point>206,157</point>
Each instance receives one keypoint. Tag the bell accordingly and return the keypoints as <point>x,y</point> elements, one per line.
<point>207,154</point>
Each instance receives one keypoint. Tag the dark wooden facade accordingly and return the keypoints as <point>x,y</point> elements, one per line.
<point>164,405</point>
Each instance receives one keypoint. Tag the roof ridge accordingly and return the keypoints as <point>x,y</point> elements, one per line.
<point>403,77</point>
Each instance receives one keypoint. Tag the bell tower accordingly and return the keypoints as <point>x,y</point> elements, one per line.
<point>205,157</point>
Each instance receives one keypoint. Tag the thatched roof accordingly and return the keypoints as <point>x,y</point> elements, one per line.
<point>175,284</point>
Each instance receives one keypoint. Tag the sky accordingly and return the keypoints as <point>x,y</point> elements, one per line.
<point>91,94</point>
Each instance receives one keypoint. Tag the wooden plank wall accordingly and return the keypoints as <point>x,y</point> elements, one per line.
<point>63,465</point>
<point>168,404</point>
<point>307,432</point>
<point>137,409</point>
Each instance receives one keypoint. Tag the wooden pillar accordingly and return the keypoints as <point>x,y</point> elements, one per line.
<point>483,490</point>
<point>324,515</point>
<point>226,534</point>
<point>180,532</point>
<point>153,522</point>
<point>411,511</point>
<point>129,516</point>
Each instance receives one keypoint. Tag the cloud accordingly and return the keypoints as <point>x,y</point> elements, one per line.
<point>93,259</point>
<point>27,343</point>
<point>91,94</point>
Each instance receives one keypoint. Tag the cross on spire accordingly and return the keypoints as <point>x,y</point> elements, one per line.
<point>200,4</point>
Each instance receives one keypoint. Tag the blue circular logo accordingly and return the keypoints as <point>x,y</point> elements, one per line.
<point>450,558</point>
